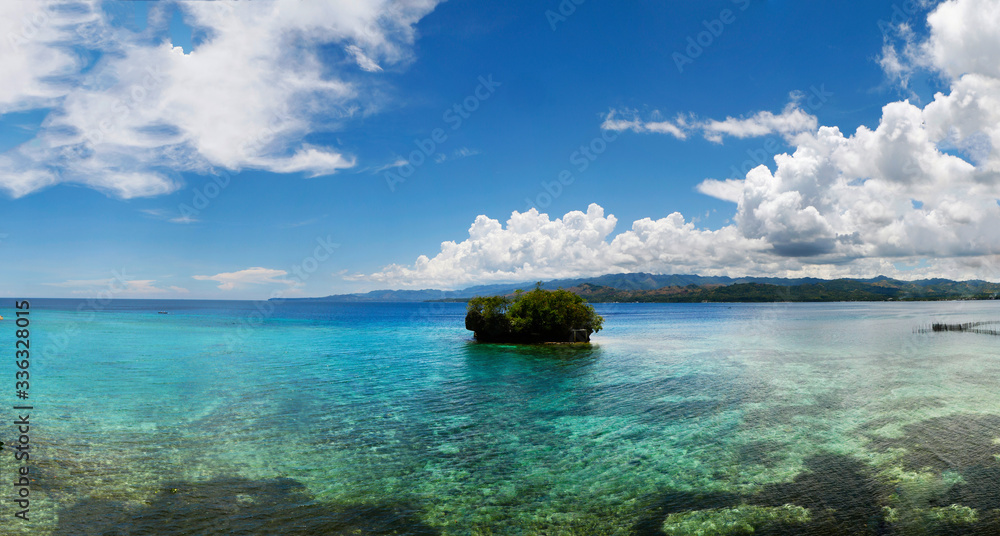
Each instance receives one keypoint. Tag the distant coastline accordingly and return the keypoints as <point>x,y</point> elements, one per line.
<point>674,288</point>
<point>830,291</point>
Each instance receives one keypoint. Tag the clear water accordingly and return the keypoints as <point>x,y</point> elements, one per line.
<point>222,418</point>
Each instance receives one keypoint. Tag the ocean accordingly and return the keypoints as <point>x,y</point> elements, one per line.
<point>387,418</point>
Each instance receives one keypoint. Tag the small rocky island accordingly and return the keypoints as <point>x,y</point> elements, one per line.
<point>538,316</point>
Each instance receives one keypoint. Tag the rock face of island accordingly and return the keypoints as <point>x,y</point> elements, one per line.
<point>532,317</point>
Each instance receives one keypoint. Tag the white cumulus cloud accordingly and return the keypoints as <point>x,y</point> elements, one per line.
<point>530,246</point>
<point>244,97</point>
<point>533,246</point>
<point>917,196</point>
<point>964,38</point>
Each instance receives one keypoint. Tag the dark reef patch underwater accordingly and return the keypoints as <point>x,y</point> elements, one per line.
<point>834,494</point>
<point>238,506</point>
<point>958,456</point>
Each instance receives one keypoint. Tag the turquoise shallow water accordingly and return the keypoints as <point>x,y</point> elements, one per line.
<point>243,418</point>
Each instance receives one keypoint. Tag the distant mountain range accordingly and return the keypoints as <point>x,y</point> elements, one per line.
<point>694,288</point>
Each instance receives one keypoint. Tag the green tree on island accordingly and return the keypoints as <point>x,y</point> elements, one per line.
<point>535,316</point>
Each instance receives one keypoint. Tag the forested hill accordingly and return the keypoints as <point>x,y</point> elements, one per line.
<point>835,290</point>
<point>643,287</point>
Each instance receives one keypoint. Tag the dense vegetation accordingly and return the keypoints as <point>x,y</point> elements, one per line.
<point>836,290</point>
<point>678,287</point>
<point>531,317</point>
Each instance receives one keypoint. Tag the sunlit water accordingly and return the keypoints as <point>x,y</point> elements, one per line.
<point>240,418</point>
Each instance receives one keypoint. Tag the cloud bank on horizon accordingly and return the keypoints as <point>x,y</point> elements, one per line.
<point>924,184</point>
<point>128,110</point>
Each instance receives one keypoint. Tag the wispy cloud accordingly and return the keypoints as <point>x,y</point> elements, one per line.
<point>131,287</point>
<point>792,120</point>
<point>168,216</point>
<point>248,277</point>
<point>464,152</point>
<point>399,162</point>
<point>622,120</point>
<point>363,61</point>
<point>461,152</point>
<point>303,223</point>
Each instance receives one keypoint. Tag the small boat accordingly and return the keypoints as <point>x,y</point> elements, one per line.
<point>162,313</point>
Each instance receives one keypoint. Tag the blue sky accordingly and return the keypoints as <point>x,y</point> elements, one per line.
<point>200,150</point>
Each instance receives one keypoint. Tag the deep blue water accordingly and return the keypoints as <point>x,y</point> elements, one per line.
<point>308,418</point>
